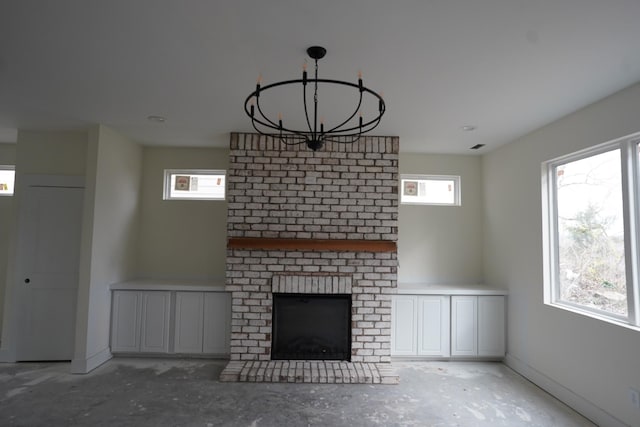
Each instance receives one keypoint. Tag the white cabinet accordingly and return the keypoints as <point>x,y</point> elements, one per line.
<point>477,326</point>
<point>154,327</point>
<point>433,325</point>
<point>189,322</point>
<point>217,323</point>
<point>202,322</point>
<point>420,325</point>
<point>491,326</point>
<point>125,321</point>
<point>196,321</point>
<point>464,325</point>
<point>404,317</point>
<point>140,321</point>
<point>452,325</point>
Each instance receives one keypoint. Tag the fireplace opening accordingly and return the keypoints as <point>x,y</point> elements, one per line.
<point>311,327</point>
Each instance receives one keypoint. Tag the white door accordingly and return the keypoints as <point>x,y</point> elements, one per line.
<point>433,325</point>
<point>217,316</point>
<point>48,263</point>
<point>464,325</point>
<point>188,327</point>
<point>125,321</point>
<point>491,326</point>
<point>154,326</point>
<point>404,317</point>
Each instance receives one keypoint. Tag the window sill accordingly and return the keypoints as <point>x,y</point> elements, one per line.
<point>587,313</point>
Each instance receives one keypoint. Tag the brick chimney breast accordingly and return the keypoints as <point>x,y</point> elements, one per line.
<point>312,222</point>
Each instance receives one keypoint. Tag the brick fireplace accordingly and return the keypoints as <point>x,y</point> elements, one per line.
<point>304,222</point>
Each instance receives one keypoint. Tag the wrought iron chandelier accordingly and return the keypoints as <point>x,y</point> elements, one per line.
<point>316,133</point>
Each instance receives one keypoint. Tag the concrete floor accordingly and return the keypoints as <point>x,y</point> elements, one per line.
<point>171,392</point>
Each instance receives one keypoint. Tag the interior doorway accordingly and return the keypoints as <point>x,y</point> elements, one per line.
<point>46,276</point>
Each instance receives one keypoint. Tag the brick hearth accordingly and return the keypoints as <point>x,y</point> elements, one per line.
<point>310,371</point>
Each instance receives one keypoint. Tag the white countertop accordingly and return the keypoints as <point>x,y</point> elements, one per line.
<point>170,285</point>
<point>418,289</point>
<point>218,286</point>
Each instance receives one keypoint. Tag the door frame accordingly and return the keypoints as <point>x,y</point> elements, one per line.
<point>11,316</point>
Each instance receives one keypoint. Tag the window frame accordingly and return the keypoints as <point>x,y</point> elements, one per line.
<point>629,147</point>
<point>9,168</point>
<point>166,187</point>
<point>457,196</point>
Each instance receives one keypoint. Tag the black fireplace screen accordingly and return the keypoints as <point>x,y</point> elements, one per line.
<point>311,327</point>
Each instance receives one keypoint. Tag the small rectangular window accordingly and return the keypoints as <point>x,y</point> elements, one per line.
<point>194,184</point>
<point>441,190</point>
<point>7,180</point>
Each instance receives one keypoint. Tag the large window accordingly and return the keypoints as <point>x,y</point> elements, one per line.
<point>194,184</point>
<point>430,190</point>
<point>591,231</point>
<point>7,180</point>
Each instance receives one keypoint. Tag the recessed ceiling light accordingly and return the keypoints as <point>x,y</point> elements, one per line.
<point>468,128</point>
<point>157,119</point>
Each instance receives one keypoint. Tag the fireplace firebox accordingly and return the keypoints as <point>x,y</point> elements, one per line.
<point>311,327</point>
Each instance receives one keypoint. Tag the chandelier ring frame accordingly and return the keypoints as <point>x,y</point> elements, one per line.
<point>275,126</point>
<point>347,131</point>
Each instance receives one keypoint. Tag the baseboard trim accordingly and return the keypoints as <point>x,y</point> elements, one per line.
<point>7,355</point>
<point>208,356</point>
<point>568,397</point>
<point>84,366</point>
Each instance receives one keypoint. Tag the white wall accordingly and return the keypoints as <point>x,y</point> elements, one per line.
<point>586,358</point>
<point>51,152</point>
<point>442,244</point>
<point>110,228</point>
<point>187,239</point>
<point>181,238</point>
<point>7,157</point>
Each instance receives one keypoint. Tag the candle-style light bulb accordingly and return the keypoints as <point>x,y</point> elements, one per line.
<point>258,85</point>
<point>304,73</point>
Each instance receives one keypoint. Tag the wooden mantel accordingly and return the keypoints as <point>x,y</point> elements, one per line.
<point>336,245</point>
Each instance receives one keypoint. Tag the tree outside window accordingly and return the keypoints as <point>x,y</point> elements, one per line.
<point>590,233</point>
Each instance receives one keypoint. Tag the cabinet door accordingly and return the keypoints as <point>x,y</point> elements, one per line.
<point>188,326</point>
<point>404,317</point>
<point>217,316</point>
<point>491,326</point>
<point>125,321</point>
<point>154,331</point>
<point>433,326</point>
<point>464,326</point>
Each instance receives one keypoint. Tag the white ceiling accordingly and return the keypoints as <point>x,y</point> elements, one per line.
<point>505,66</point>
